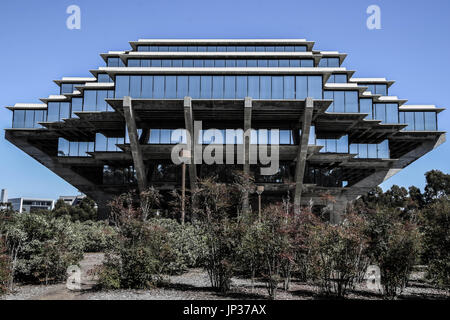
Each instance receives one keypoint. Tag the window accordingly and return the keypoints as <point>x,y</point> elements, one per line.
<point>387,113</point>
<point>19,119</point>
<point>53,112</point>
<point>343,101</point>
<point>329,62</point>
<point>366,107</point>
<point>207,87</point>
<point>67,88</point>
<point>103,77</point>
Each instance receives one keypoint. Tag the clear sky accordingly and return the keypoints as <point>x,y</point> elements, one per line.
<point>413,48</point>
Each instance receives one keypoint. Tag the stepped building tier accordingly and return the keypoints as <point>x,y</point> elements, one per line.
<point>336,134</point>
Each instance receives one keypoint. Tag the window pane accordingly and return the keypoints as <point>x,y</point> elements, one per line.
<point>218,87</point>
<point>315,87</point>
<point>101,103</point>
<point>147,87</point>
<point>187,63</point>
<point>241,63</point>
<point>29,119</point>
<point>171,87</point>
<point>381,89</point>
<point>380,112</point>
<point>430,121</point>
<point>154,136</point>
<point>182,86</point>
<point>253,87</point>
<point>52,113</point>
<point>166,63</point>
<point>284,63</point>
<point>100,142</point>
<point>165,136</point>
<point>241,87</point>
<point>230,87</point>
<point>339,101</point>
<point>277,87</point>
<point>158,87</point>
<point>230,63</point>
<point>219,63</point>
<point>194,87</point>
<point>64,110</point>
<point>122,86</point>
<point>252,63</point>
<point>209,63</point>
<point>206,87</point>
<point>39,116</point>
<point>294,63</point>
<point>63,147</point>
<point>273,63</point>
<point>156,63</point>
<point>134,62</point>
<point>66,88</point>
<point>372,151</point>
<point>366,107</point>
<point>307,63</point>
<point>265,86</point>
<point>419,121</point>
<point>135,86</point>
<point>391,113</point>
<point>409,119</point>
<point>73,151</point>
<point>351,101</point>
<point>301,87</point>
<point>289,87</point>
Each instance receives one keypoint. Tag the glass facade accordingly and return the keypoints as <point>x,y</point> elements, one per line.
<point>374,151</point>
<point>419,121</point>
<point>337,78</point>
<point>94,100</point>
<point>329,62</point>
<point>343,101</point>
<point>67,88</point>
<point>380,89</point>
<point>28,118</point>
<point>365,106</point>
<point>103,77</point>
<point>119,175</point>
<point>333,145</point>
<point>103,143</point>
<point>74,148</point>
<point>221,63</point>
<point>210,48</point>
<point>219,87</point>
<point>386,112</point>
<point>57,111</point>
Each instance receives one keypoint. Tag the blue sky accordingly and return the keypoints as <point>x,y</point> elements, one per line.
<point>413,48</point>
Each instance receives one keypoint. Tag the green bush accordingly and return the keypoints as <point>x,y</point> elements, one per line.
<point>5,268</point>
<point>97,235</point>
<point>437,242</point>
<point>43,247</point>
<point>144,254</point>
<point>394,245</point>
<point>339,259</point>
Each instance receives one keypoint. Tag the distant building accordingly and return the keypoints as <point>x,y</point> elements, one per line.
<point>31,204</point>
<point>4,199</point>
<point>72,200</point>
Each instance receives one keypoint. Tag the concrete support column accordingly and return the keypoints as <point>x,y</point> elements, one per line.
<point>247,135</point>
<point>189,123</point>
<point>136,151</point>
<point>338,210</point>
<point>302,152</point>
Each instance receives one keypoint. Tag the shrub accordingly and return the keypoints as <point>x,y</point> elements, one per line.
<point>187,241</point>
<point>339,255</point>
<point>97,235</point>
<point>437,242</point>
<point>144,252</point>
<point>221,241</point>
<point>394,246</point>
<point>42,247</point>
<point>5,268</point>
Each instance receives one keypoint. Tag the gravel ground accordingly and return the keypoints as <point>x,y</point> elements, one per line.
<point>194,285</point>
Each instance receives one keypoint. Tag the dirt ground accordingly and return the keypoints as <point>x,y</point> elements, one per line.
<point>194,285</point>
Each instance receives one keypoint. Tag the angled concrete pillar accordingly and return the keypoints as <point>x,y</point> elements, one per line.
<point>302,152</point>
<point>189,123</point>
<point>247,136</point>
<point>136,151</point>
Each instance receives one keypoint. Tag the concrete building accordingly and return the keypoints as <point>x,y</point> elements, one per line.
<point>338,135</point>
<point>31,204</point>
<point>4,199</point>
<point>72,200</point>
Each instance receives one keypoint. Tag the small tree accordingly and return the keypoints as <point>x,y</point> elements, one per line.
<point>339,255</point>
<point>150,198</point>
<point>394,245</point>
<point>437,242</point>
